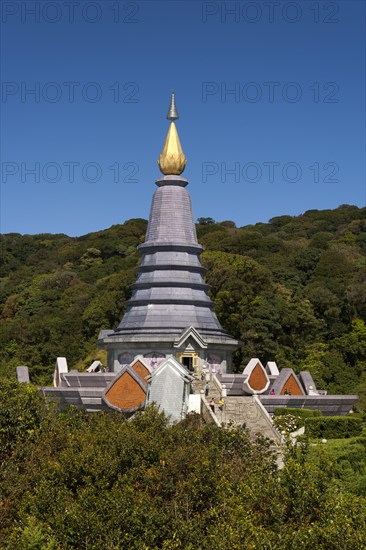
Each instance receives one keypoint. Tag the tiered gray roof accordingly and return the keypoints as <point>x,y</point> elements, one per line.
<point>170,293</point>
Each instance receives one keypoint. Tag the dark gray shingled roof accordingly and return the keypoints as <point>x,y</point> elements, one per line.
<point>170,294</point>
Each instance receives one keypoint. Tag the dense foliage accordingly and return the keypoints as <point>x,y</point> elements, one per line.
<point>348,460</point>
<point>287,419</point>
<point>293,290</point>
<point>301,413</point>
<point>316,425</point>
<point>76,481</point>
<point>333,427</point>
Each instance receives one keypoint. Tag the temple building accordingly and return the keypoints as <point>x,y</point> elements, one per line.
<point>170,345</point>
<point>170,313</point>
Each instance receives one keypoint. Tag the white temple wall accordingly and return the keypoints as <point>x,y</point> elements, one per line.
<point>217,361</point>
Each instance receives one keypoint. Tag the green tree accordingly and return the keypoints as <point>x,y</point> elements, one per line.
<point>205,221</point>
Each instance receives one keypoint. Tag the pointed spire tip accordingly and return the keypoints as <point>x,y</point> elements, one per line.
<point>172,113</point>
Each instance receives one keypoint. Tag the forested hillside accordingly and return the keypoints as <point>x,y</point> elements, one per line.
<point>293,290</point>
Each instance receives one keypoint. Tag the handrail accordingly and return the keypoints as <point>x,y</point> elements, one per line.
<point>208,411</point>
<point>217,383</point>
<point>267,417</point>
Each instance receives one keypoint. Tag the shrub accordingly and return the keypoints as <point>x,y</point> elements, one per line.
<point>291,419</point>
<point>288,423</point>
<point>301,413</point>
<point>333,427</point>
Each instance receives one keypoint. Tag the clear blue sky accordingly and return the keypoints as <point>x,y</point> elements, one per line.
<point>293,131</point>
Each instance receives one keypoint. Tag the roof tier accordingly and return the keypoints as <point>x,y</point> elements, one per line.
<point>170,293</point>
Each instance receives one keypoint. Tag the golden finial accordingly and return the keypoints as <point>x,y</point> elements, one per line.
<point>172,160</point>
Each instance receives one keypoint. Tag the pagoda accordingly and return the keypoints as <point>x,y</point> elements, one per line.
<point>170,313</point>
<point>170,335</point>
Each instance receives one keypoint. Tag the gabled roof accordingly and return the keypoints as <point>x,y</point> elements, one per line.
<point>308,383</point>
<point>141,359</point>
<point>140,367</point>
<point>94,366</point>
<point>60,368</point>
<point>169,388</point>
<point>126,392</point>
<point>272,368</point>
<point>256,380</point>
<point>287,378</point>
<point>174,365</point>
<point>190,332</point>
<point>250,366</point>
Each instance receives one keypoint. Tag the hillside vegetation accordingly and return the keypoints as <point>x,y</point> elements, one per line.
<point>74,480</point>
<point>293,290</point>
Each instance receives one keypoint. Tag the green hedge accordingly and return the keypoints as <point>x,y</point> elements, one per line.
<point>301,413</point>
<point>333,427</point>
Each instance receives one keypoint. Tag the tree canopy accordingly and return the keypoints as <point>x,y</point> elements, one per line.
<point>293,290</point>
<point>72,480</point>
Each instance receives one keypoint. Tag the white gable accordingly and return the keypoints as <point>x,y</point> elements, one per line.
<point>250,366</point>
<point>169,388</point>
<point>190,332</point>
<point>272,368</point>
<point>94,367</point>
<point>172,364</point>
<point>248,371</point>
<point>60,368</point>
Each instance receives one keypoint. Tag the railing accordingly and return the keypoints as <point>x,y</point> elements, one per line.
<point>268,418</point>
<point>216,382</point>
<point>207,413</point>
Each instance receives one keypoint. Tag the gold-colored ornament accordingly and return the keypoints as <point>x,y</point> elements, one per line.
<point>172,160</point>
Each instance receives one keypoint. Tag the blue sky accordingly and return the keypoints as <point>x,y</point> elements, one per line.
<point>271,97</point>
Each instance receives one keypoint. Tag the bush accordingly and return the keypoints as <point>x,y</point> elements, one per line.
<point>288,419</point>
<point>333,427</point>
<point>22,410</point>
<point>288,423</point>
<point>301,413</point>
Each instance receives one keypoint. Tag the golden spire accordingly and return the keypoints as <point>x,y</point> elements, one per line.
<point>172,160</point>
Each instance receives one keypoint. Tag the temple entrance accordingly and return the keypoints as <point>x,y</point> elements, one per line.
<point>191,361</point>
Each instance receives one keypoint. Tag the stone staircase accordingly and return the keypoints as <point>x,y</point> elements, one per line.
<point>248,410</point>
<point>238,410</point>
<point>199,387</point>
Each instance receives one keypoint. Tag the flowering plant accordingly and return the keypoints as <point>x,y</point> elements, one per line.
<point>288,423</point>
